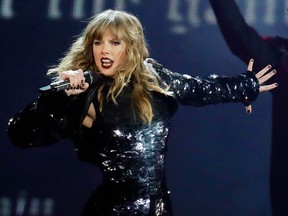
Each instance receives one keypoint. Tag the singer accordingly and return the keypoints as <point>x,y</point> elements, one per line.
<point>120,122</point>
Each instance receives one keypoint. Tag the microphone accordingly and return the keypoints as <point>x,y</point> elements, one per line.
<point>65,84</point>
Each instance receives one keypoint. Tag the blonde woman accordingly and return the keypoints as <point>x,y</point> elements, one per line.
<point>120,122</point>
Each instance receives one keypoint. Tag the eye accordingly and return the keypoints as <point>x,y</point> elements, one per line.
<point>115,43</point>
<point>97,42</point>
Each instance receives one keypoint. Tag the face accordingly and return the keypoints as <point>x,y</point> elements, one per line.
<point>109,53</point>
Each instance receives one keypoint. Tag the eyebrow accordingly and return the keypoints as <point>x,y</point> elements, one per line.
<point>112,39</point>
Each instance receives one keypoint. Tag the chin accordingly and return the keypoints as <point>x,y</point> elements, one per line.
<point>107,73</point>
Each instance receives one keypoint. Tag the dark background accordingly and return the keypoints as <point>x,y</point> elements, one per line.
<point>218,158</point>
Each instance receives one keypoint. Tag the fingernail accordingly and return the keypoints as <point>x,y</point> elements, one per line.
<point>248,111</point>
<point>274,71</point>
<point>276,84</point>
<point>269,66</point>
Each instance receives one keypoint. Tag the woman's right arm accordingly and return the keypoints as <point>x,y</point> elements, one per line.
<point>54,115</point>
<point>44,121</point>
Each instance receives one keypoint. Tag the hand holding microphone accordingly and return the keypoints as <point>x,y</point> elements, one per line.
<point>77,81</point>
<point>73,82</point>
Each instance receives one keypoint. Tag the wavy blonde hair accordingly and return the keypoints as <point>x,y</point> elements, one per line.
<point>126,27</point>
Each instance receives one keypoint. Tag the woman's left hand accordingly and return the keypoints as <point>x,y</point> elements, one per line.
<point>262,76</point>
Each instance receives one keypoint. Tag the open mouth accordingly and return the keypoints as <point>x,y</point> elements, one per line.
<point>106,63</point>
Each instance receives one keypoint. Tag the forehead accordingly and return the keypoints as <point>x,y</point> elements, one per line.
<point>108,33</point>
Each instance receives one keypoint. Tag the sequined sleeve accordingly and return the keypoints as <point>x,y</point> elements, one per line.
<point>213,89</point>
<point>42,122</point>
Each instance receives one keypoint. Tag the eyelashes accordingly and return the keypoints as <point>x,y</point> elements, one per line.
<point>113,43</point>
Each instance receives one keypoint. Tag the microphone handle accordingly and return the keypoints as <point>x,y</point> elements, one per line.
<point>64,84</point>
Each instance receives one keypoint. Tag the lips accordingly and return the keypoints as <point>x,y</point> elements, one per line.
<point>106,63</point>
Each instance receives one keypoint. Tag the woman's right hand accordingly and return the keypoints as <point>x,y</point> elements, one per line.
<point>77,81</point>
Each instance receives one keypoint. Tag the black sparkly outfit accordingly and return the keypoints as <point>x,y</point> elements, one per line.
<point>130,154</point>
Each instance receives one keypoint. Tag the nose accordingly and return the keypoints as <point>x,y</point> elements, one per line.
<point>105,48</point>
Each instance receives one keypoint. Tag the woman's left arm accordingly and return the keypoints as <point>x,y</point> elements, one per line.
<point>198,91</point>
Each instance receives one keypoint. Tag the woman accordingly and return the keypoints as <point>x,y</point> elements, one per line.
<point>121,121</point>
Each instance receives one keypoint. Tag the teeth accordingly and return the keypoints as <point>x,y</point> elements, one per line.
<point>106,61</point>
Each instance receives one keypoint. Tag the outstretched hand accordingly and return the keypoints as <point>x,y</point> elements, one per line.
<point>262,77</point>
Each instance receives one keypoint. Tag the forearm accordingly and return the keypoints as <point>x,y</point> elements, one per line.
<point>198,91</point>
<point>242,39</point>
<point>216,89</point>
<point>42,122</point>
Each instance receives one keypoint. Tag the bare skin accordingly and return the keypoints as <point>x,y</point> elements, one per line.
<point>262,77</point>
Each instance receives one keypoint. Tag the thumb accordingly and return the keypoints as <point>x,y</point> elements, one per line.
<point>248,109</point>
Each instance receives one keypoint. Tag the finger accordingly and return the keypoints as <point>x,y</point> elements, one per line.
<point>80,75</point>
<point>69,75</point>
<point>248,109</point>
<point>84,86</point>
<point>263,71</point>
<point>250,65</point>
<point>75,78</point>
<point>64,75</point>
<point>74,91</point>
<point>268,87</point>
<point>267,76</point>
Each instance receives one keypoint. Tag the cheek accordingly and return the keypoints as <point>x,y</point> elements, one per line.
<point>123,55</point>
<point>95,54</point>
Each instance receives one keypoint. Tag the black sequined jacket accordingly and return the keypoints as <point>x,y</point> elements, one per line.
<point>53,117</point>
<point>130,154</point>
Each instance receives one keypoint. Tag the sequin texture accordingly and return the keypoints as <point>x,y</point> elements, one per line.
<point>130,154</point>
